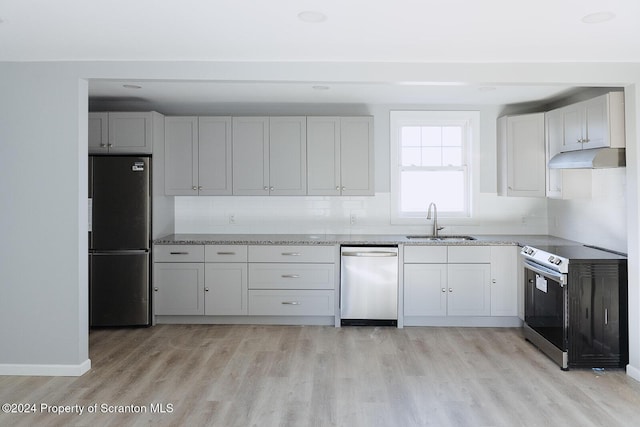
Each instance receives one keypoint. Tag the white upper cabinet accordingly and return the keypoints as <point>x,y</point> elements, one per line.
<point>563,183</point>
<point>121,133</point>
<point>214,156</point>
<point>197,156</point>
<point>269,156</point>
<point>521,155</point>
<point>594,123</point>
<point>323,148</point>
<point>250,155</point>
<point>340,156</point>
<point>181,156</point>
<point>98,132</point>
<point>356,150</point>
<point>288,156</point>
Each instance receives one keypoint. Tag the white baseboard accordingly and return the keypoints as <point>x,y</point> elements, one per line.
<point>633,372</point>
<point>45,370</point>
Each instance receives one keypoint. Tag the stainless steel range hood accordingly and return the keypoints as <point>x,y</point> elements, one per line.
<point>593,158</point>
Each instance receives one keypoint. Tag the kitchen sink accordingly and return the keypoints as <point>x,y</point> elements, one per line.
<point>441,238</point>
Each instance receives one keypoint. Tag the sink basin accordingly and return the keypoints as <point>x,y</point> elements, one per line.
<point>441,238</point>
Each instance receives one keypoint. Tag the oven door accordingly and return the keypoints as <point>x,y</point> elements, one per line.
<point>546,311</point>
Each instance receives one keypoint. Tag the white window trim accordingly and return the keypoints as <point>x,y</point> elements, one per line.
<point>397,119</point>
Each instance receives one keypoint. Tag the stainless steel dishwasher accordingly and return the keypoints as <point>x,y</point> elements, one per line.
<point>369,285</point>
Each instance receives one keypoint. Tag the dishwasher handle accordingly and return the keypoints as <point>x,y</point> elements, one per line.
<point>371,254</point>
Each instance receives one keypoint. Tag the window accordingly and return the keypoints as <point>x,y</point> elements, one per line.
<point>430,155</point>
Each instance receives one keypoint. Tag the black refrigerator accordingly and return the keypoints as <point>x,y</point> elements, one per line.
<point>119,240</point>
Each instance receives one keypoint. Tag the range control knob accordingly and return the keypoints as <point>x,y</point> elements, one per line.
<point>552,259</point>
<point>557,261</point>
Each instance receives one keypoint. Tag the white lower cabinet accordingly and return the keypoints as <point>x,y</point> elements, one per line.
<point>291,302</point>
<point>472,281</point>
<point>225,289</point>
<point>236,280</point>
<point>504,280</point>
<point>447,289</point>
<point>200,280</point>
<point>425,289</point>
<point>469,291</point>
<point>178,288</point>
<point>292,280</point>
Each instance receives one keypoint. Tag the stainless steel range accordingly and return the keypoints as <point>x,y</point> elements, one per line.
<point>576,305</point>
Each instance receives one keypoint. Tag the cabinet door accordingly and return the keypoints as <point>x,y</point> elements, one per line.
<point>596,122</point>
<point>526,155</point>
<point>250,156</point>
<point>225,289</point>
<point>554,140</point>
<point>98,133</point>
<point>178,288</point>
<point>469,290</point>
<point>425,290</point>
<point>572,120</point>
<point>323,156</point>
<point>504,281</point>
<point>356,161</point>
<point>214,156</point>
<point>181,156</point>
<point>130,133</point>
<point>288,156</point>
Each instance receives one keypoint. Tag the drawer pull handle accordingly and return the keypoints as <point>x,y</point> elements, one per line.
<point>290,303</point>
<point>179,253</point>
<point>226,253</point>
<point>291,253</point>
<point>290,276</point>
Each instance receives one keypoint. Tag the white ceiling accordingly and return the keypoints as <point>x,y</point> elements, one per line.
<point>384,31</point>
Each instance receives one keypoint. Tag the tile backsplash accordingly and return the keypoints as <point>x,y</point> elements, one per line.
<point>347,215</point>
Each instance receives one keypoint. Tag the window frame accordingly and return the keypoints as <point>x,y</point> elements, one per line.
<point>470,120</point>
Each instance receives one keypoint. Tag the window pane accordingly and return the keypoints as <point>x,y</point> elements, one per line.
<point>410,136</point>
<point>451,156</point>
<point>452,136</point>
<point>411,157</point>
<point>432,156</point>
<point>432,136</point>
<point>419,188</point>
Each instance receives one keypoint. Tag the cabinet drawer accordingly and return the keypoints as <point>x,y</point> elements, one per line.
<point>291,276</point>
<point>225,253</point>
<point>178,253</point>
<point>291,303</point>
<point>469,254</point>
<point>425,254</point>
<point>292,254</point>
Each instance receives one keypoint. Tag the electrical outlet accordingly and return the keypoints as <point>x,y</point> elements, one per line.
<point>353,219</point>
<point>232,219</point>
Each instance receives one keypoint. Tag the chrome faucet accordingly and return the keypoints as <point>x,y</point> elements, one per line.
<point>435,218</point>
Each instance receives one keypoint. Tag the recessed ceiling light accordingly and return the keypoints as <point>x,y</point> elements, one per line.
<point>320,87</point>
<point>132,86</point>
<point>598,17</point>
<point>312,17</point>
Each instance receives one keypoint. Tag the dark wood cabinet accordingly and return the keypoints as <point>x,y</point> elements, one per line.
<point>598,315</point>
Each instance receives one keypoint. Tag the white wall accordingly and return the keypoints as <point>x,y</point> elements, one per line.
<point>43,255</point>
<point>43,271</point>
<point>600,220</point>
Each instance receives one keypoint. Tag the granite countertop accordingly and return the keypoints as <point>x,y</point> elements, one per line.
<point>362,239</point>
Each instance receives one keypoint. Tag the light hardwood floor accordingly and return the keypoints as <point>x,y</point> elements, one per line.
<point>323,376</point>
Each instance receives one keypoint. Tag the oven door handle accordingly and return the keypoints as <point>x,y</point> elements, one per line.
<point>558,277</point>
